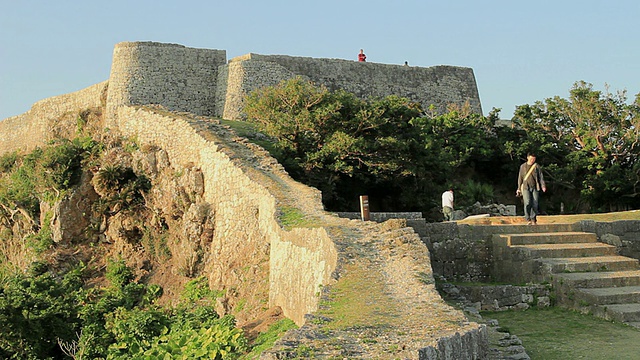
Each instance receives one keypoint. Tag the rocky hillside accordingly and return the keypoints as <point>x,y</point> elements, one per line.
<point>122,201</point>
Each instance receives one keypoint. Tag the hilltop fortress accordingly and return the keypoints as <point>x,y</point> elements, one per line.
<point>167,97</point>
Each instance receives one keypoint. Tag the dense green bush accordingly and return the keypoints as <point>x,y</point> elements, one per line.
<point>36,310</point>
<point>471,192</point>
<point>46,316</point>
<point>216,342</point>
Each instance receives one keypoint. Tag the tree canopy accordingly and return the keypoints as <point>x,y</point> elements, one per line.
<point>386,147</point>
<point>405,157</point>
<point>590,143</point>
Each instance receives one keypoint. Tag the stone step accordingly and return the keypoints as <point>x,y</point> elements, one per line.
<point>610,295</point>
<point>522,228</point>
<point>566,250</point>
<point>550,238</point>
<point>600,279</point>
<point>589,264</point>
<point>626,313</point>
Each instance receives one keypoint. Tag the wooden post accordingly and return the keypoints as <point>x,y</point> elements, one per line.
<point>364,207</point>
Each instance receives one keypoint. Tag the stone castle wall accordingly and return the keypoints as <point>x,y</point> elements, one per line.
<point>438,85</point>
<point>34,128</point>
<point>240,78</point>
<point>202,82</point>
<point>246,230</point>
<point>174,76</point>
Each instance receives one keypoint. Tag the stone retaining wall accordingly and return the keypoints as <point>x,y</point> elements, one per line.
<point>476,298</point>
<point>460,252</point>
<point>625,234</point>
<point>34,128</point>
<point>300,261</point>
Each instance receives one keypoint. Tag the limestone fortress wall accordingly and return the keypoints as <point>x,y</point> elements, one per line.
<point>201,81</point>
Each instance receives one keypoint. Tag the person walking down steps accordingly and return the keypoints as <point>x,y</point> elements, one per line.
<point>530,182</point>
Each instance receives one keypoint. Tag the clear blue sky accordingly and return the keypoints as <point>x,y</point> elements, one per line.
<point>520,51</point>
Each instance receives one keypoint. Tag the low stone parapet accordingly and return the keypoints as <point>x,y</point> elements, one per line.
<point>498,297</point>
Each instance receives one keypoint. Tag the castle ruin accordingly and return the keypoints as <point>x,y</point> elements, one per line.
<point>238,180</point>
<point>201,81</point>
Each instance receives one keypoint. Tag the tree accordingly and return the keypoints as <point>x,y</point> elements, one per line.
<point>339,143</point>
<point>385,148</point>
<point>590,141</point>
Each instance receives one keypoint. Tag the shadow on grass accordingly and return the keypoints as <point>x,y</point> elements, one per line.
<point>555,333</point>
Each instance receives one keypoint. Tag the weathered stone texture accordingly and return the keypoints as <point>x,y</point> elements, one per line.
<point>300,262</point>
<point>624,234</point>
<point>246,230</point>
<point>242,77</point>
<point>174,76</point>
<point>438,85</point>
<point>33,128</point>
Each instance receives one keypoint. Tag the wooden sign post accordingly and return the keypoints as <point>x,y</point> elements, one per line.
<point>364,207</point>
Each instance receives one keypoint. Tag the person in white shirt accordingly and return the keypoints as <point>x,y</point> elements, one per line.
<point>447,204</point>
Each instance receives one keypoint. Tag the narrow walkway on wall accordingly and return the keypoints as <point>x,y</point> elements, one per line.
<point>384,305</point>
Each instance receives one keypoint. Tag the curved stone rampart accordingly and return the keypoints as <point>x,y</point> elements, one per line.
<point>174,76</point>
<point>34,128</point>
<point>247,235</point>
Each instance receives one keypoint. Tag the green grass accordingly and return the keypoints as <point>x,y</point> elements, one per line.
<point>248,130</point>
<point>291,217</point>
<point>359,300</point>
<point>266,340</point>
<point>556,333</point>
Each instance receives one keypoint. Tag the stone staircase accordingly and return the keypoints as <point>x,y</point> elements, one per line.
<point>587,275</point>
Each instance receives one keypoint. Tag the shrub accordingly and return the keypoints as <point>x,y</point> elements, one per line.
<point>198,290</point>
<point>216,342</point>
<point>36,310</point>
<point>471,192</point>
<point>120,187</point>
